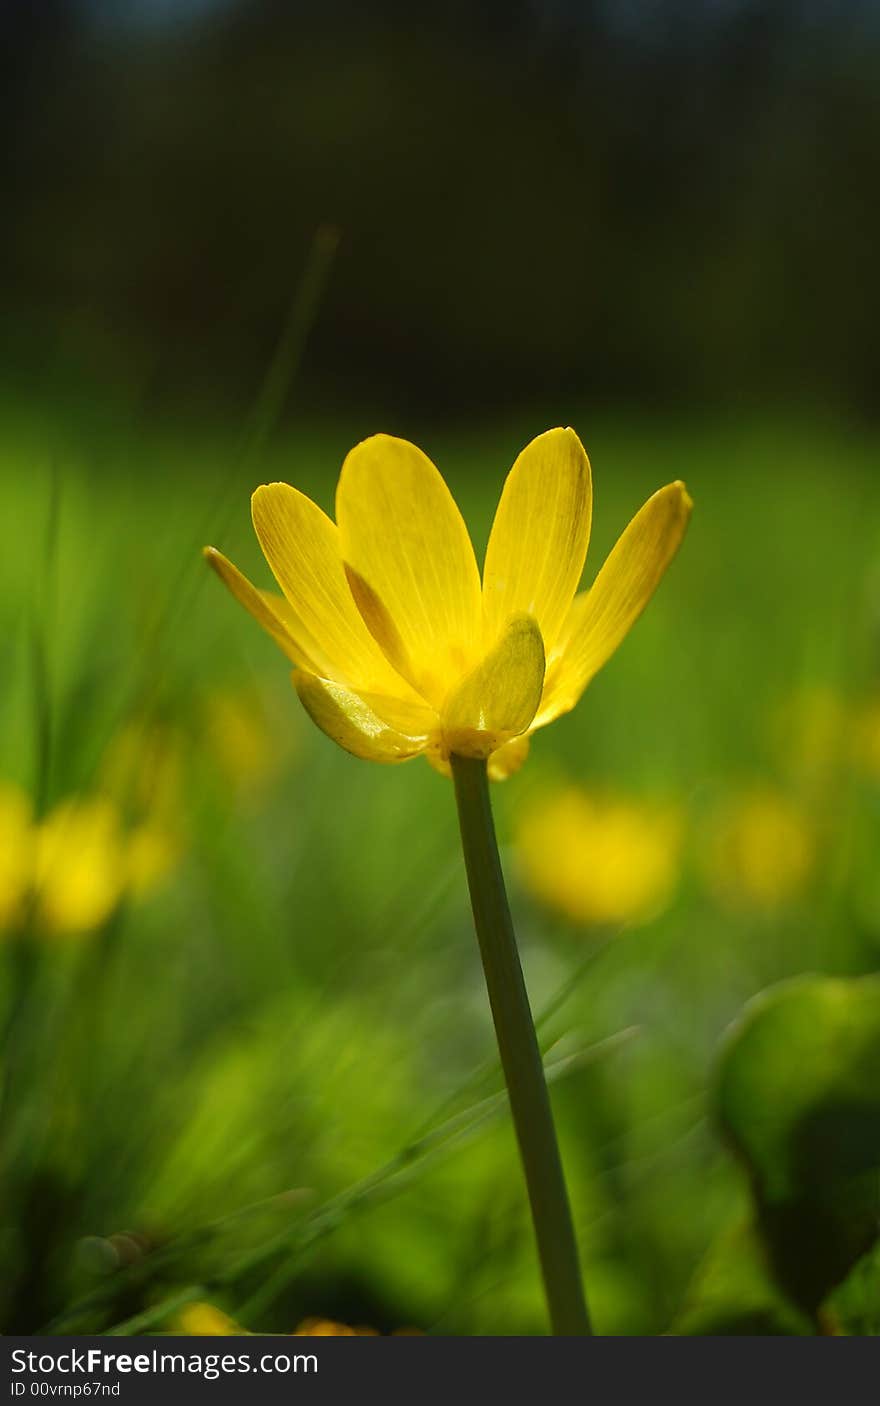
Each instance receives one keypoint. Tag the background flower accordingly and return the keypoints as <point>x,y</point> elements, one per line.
<point>599,859</point>
<point>761,849</point>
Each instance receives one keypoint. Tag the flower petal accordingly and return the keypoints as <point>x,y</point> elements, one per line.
<point>352,722</point>
<point>410,562</point>
<point>509,758</point>
<point>498,699</point>
<point>301,545</point>
<point>540,535</point>
<point>272,612</point>
<point>435,758</point>
<point>601,617</point>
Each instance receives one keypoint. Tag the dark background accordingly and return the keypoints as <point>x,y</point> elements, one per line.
<point>653,202</point>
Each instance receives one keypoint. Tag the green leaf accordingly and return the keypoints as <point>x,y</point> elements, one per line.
<point>733,1294</point>
<point>798,1096</point>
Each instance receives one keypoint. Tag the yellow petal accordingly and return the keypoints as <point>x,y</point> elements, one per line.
<point>410,561</point>
<point>301,545</point>
<point>354,724</point>
<point>498,699</point>
<point>601,617</point>
<point>509,758</point>
<point>272,612</point>
<point>435,758</point>
<point>540,535</point>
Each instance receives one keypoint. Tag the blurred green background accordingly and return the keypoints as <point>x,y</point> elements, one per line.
<point>248,1059</point>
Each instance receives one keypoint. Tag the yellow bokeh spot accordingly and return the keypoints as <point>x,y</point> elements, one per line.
<point>599,860</point>
<point>68,872</point>
<point>79,872</point>
<point>809,731</point>
<point>142,768</point>
<point>326,1328</point>
<point>760,850</point>
<point>203,1320</point>
<point>150,854</point>
<point>238,736</point>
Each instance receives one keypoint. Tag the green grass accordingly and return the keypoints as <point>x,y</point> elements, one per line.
<point>301,1002</point>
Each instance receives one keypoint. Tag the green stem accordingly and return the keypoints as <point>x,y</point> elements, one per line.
<point>520,1054</point>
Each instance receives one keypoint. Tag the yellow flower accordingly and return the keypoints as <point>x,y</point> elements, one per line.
<point>760,850</point>
<point>203,1320</point>
<point>399,649</point>
<point>79,870</point>
<point>326,1328</point>
<point>16,853</point>
<point>68,872</point>
<point>599,860</point>
<point>84,863</point>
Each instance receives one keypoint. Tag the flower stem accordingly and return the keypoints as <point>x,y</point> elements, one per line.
<point>520,1054</point>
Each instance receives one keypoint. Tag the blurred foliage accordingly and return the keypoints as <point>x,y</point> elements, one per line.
<point>799,1096</point>
<point>733,1294</point>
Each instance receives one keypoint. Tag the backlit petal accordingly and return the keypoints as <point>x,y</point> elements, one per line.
<point>498,699</point>
<point>301,545</point>
<point>410,562</point>
<point>435,758</point>
<point>540,535</point>
<point>272,612</point>
<point>601,617</point>
<point>509,758</point>
<point>350,721</point>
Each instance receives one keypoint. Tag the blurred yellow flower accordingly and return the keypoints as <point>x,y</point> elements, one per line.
<point>326,1328</point>
<point>239,738</point>
<point>79,871</point>
<point>760,850</point>
<point>142,768</point>
<point>398,648</point>
<point>599,860</point>
<point>16,853</point>
<point>69,872</point>
<point>809,731</point>
<point>203,1320</point>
